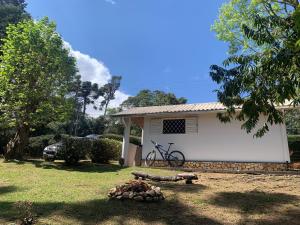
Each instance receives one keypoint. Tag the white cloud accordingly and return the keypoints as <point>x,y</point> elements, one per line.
<point>95,71</point>
<point>111,2</point>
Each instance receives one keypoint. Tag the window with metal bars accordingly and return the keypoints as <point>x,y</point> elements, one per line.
<point>174,126</point>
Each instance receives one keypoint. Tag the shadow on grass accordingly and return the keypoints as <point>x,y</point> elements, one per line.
<point>253,201</point>
<point>82,166</point>
<point>177,187</point>
<point>116,212</point>
<point>290,217</point>
<point>8,189</point>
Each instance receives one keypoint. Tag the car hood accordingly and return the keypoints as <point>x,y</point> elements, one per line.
<point>59,144</point>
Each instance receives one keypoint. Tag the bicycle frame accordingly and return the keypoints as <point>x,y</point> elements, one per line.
<point>164,153</point>
<point>174,158</point>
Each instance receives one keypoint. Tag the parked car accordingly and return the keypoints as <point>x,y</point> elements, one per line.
<point>50,152</point>
<point>93,136</point>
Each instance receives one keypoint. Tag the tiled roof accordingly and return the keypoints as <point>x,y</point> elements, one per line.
<point>212,106</point>
<point>199,107</point>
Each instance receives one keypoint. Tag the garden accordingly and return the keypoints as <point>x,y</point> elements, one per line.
<point>54,193</point>
<point>46,98</point>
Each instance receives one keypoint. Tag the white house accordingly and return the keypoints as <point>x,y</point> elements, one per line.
<point>206,142</point>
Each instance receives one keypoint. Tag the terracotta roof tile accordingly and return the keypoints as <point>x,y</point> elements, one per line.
<point>210,106</point>
<point>172,109</point>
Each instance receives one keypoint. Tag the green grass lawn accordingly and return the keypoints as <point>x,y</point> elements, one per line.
<point>78,195</point>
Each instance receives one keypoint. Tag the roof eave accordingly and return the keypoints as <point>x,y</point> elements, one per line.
<point>190,112</point>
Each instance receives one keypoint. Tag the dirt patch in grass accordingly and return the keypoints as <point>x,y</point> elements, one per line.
<point>63,195</point>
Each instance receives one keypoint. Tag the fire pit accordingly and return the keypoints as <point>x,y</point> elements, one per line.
<point>137,190</point>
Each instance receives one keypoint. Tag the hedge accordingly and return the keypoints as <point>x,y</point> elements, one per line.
<point>292,138</point>
<point>133,139</point>
<point>104,149</point>
<point>37,144</point>
<point>74,149</point>
<point>108,147</point>
<point>98,150</point>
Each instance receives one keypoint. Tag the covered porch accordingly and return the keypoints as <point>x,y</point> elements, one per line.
<point>129,151</point>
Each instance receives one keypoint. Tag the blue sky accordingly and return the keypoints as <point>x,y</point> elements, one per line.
<point>153,44</point>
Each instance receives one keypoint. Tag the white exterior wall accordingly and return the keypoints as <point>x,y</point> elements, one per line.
<point>216,141</point>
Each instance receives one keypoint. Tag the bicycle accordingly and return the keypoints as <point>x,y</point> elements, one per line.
<point>174,158</point>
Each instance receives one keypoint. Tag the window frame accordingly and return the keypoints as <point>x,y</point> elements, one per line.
<point>174,119</point>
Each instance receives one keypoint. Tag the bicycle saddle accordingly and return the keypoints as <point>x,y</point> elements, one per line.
<point>170,143</point>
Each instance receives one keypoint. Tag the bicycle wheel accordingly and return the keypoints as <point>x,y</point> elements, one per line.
<point>150,158</point>
<point>176,159</point>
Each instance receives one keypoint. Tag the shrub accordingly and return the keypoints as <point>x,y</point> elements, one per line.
<point>98,150</point>
<point>37,144</point>
<point>74,149</point>
<point>133,139</point>
<point>104,149</point>
<point>293,138</point>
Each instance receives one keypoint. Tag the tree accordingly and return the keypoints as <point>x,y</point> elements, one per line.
<point>292,121</point>
<point>108,92</point>
<point>149,98</point>
<point>113,125</point>
<point>11,12</point>
<point>152,98</point>
<point>88,125</point>
<point>89,93</point>
<point>76,115</point>
<point>36,73</point>
<point>265,77</point>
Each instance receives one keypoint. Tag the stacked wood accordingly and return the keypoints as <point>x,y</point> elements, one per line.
<point>137,190</point>
<point>188,177</point>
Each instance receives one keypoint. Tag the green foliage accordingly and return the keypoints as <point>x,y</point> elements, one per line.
<point>262,79</point>
<point>5,136</point>
<point>113,125</point>
<point>133,139</point>
<point>98,150</point>
<point>292,121</point>
<point>37,144</point>
<point>74,149</point>
<point>152,98</point>
<point>293,138</point>
<point>89,93</point>
<point>235,14</point>
<point>11,12</point>
<point>108,92</point>
<point>34,91</point>
<point>105,149</point>
<point>89,125</point>
<point>36,73</point>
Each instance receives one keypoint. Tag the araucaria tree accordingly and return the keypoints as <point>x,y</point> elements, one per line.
<point>89,92</point>
<point>263,69</point>
<point>108,92</point>
<point>36,73</point>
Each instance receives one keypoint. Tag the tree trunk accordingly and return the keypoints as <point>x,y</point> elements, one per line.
<point>15,147</point>
<point>182,176</point>
<point>105,109</point>
<point>84,108</point>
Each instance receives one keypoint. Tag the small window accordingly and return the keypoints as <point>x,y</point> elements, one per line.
<point>176,126</point>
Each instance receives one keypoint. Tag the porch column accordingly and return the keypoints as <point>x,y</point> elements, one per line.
<point>126,135</point>
<point>142,138</point>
